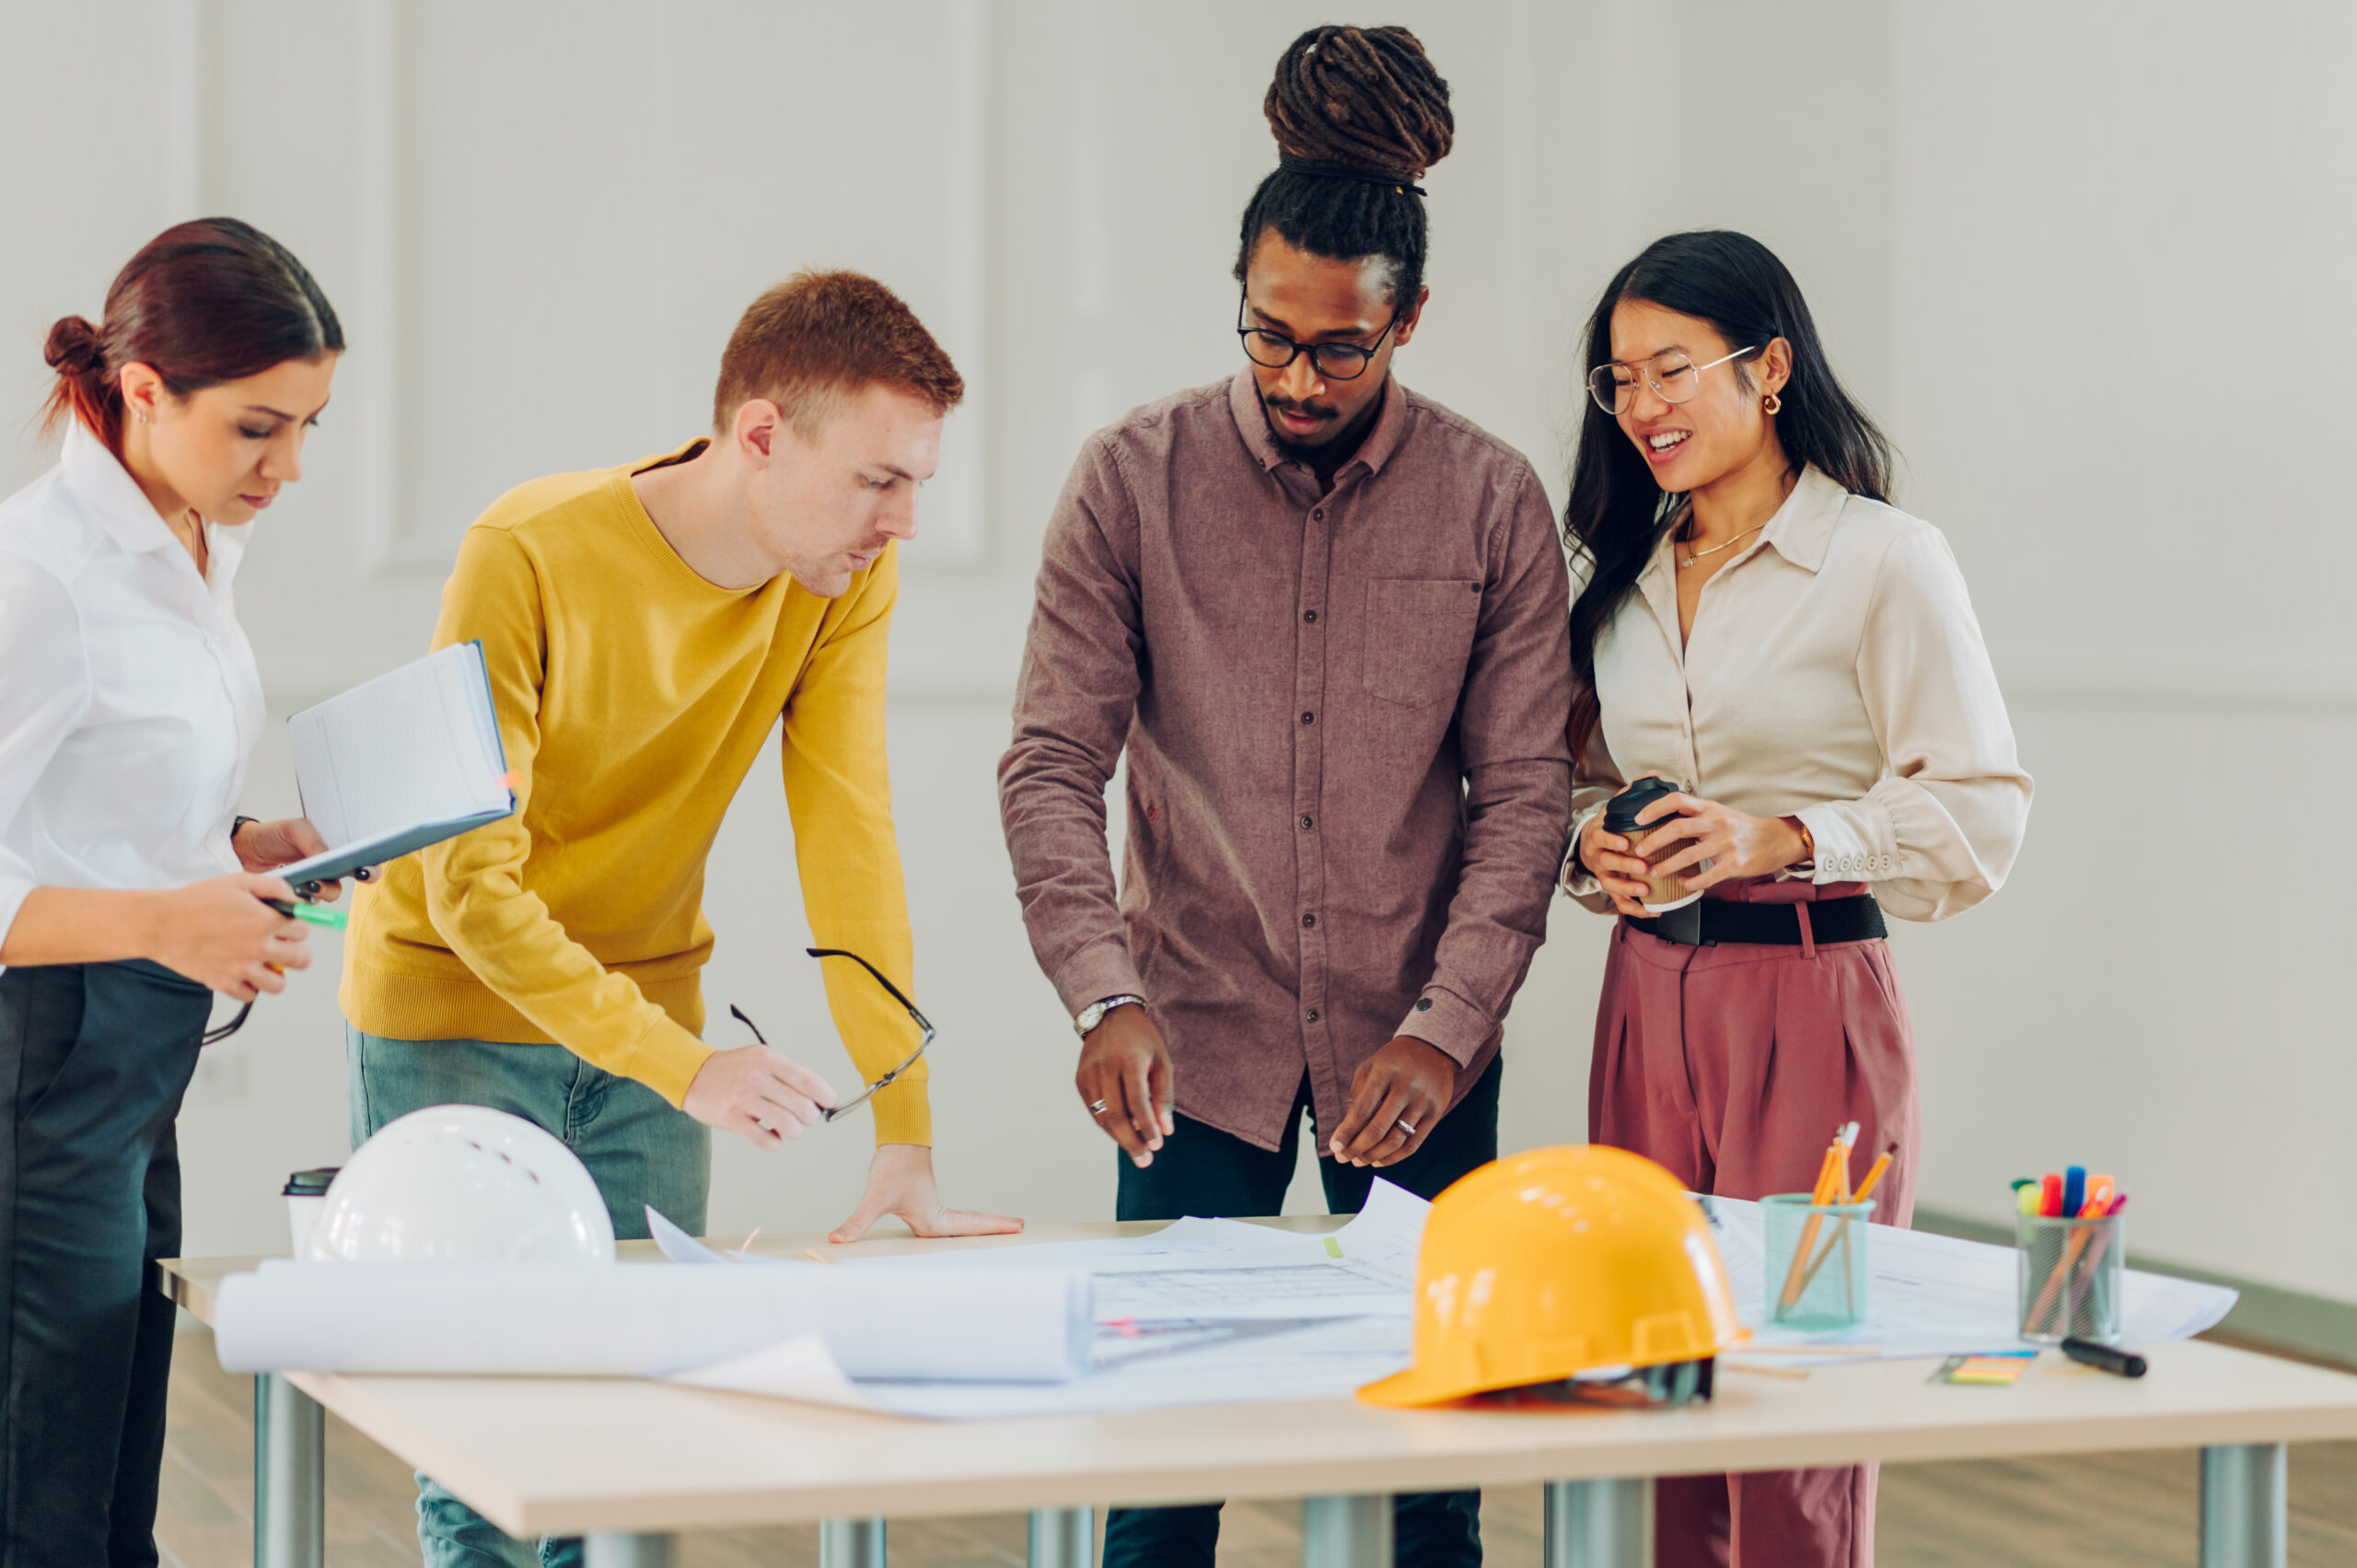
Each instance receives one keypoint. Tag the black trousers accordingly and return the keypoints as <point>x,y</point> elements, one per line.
<point>94,1059</point>
<point>1201,1170</point>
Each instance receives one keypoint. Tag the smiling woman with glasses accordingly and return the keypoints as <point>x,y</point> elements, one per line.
<point>1798,661</point>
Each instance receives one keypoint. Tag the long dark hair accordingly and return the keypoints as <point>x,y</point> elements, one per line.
<point>1616,514</point>
<point>1359,115</point>
<point>204,302</point>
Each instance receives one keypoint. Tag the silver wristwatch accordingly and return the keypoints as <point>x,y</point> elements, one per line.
<point>1094,1014</point>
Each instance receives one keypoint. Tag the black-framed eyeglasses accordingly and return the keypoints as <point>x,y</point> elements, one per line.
<point>1336,362</point>
<point>924,1030</point>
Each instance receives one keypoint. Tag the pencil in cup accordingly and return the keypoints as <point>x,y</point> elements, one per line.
<point>1824,1248</point>
<point>1832,1184</point>
<point>2071,1277</point>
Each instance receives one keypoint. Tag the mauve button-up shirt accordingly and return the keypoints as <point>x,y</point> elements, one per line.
<point>1344,712</point>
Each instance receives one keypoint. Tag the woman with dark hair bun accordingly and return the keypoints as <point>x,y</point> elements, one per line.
<point>129,895</point>
<point>1761,630</point>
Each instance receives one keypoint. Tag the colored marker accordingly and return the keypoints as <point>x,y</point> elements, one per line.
<point>2049,1199</point>
<point>309,913</point>
<point>2118,1362</point>
<point>2074,1190</point>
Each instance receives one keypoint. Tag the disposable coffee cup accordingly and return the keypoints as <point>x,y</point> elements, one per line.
<point>1663,894</point>
<point>307,1196</point>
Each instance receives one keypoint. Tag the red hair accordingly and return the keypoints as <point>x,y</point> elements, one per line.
<point>204,302</point>
<point>818,337</point>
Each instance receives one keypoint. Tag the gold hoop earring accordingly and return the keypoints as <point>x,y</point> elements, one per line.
<point>1773,403</point>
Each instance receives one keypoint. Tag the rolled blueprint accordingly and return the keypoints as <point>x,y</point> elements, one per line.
<point>626,1319</point>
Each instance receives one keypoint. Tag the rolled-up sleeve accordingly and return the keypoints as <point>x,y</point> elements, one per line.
<point>44,688</point>
<point>1511,719</point>
<point>1939,831</point>
<point>1074,702</point>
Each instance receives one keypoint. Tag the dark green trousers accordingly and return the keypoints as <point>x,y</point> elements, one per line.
<point>94,1059</point>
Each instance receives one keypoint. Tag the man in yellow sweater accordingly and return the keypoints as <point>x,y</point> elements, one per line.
<point>645,628</point>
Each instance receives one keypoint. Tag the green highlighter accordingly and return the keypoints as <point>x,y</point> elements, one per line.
<point>313,914</point>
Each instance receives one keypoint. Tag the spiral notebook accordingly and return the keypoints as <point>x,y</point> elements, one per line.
<point>405,761</point>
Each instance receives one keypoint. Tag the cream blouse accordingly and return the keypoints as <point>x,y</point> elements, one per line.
<point>1836,673</point>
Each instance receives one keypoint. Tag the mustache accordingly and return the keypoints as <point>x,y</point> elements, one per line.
<point>1307,409</point>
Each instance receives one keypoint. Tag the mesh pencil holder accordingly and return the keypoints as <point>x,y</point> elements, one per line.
<point>2071,1273</point>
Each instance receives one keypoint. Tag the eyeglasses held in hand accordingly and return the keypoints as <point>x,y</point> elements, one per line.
<point>1336,362</point>
<point>925,1029</point>
<point>1674,378</point>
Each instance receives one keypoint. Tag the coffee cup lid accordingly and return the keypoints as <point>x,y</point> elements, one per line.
<point>1620,812</point>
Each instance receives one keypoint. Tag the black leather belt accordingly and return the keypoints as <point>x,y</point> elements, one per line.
<point>1708,922</point>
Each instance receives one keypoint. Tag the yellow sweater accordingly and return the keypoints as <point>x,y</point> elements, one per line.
<point>632,698</point>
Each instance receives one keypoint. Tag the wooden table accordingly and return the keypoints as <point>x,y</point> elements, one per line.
<point>629,1464</point>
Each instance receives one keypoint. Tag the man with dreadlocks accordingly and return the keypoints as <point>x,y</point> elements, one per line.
<point>1328,620</point>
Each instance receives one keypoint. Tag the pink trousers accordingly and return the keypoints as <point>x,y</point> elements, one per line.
<point>1732,1066</point>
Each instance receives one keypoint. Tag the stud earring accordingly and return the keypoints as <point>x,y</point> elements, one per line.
<point>1773,403</point>
<point>142,418</point>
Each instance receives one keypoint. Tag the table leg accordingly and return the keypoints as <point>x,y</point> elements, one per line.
<point>1598,1524</point>
<point>1063,1538</point>
<point>625,1548</point>
<point>851,1543</point>
<point>1346,1531</point>
<point>2244,1517</point>
<point>290,1476</point>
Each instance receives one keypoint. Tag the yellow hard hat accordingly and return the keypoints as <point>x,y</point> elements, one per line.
<point>1556,1261</point>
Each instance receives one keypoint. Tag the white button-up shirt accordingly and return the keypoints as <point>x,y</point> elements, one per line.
<point>1836,673</point>
<point>128,699</point>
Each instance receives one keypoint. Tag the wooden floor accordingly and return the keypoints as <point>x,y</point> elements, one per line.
<point>2134,1510</point>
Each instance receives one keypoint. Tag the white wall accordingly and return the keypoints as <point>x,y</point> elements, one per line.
<point>2080,260</point>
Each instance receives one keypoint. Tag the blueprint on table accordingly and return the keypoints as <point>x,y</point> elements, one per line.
<point>1220,1311</point>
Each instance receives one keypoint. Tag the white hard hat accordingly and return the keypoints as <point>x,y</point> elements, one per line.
<point>462,1184</point>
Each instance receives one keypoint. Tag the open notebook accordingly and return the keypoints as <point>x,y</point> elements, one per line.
<point>400,762</point>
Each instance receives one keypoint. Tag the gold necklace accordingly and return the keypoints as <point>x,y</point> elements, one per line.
<point>1729,545</point>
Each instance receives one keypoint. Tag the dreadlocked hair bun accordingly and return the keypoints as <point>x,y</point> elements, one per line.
<point>1361,97</point>
<point>1359,115</point>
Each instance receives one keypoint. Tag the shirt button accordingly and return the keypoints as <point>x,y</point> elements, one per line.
<point>1308,921</point>
<point>1309,718</point>
<point>1423,1003</point>
<point>1313,1014</point>
<point>1310,616</point>
<point>1319,515</point>
<point>1305,821</point>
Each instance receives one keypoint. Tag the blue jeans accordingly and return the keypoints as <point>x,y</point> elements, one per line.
<point>639,1150</point>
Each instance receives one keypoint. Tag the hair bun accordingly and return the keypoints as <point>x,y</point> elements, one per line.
<point>1361,97</point>
<point>74,348</point>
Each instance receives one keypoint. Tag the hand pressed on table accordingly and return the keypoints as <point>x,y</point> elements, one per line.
<point>1125,1065</point>
<point>900,1183</point>
<point>1408,1083</point>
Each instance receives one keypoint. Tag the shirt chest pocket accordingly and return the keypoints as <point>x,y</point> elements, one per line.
<point>1419,634</point>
